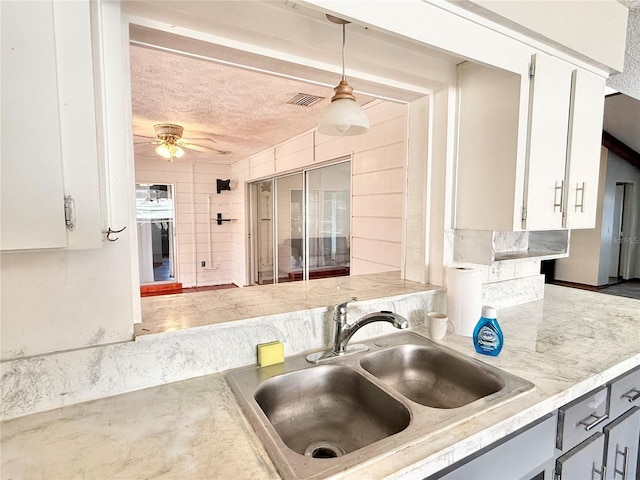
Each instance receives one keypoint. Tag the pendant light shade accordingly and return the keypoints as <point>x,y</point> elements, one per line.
<point>344,116</point>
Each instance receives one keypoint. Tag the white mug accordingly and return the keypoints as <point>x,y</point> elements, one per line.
<point>440,326</point>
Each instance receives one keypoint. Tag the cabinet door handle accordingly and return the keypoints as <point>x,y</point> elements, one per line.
<point>632,395</point>
<point>602,472</point>
<point>625,463</point>
<point>590,424</point>
<point>70,212</point>
<point>558,203</point>
<point>580,189</point>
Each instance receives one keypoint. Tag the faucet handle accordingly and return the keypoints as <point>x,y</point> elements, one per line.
<point>341,309</point>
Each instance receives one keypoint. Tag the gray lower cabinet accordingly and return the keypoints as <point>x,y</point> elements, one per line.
<point>583,462</point>
<point>621,444</point>
<point>595,437</point>
<point>612,455</point>
<point>513,458</point>
<point>607,423</point>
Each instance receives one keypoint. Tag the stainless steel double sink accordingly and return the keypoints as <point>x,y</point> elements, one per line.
<point>318,420</point>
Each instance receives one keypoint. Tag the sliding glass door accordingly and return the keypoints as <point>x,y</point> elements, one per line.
<point>328,220</point>
<point>301,225</point>
<point>289,214</point>
<point>262,194</point>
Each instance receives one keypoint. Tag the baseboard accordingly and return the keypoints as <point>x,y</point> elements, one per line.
<point>160,289</point>
<point>581,286</point>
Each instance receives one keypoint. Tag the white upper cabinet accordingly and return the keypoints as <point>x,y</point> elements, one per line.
<point>32,194</point>
<point>49,136</point>
<point>528,149</point>
<point>549,98</point>
<point>583,150</point>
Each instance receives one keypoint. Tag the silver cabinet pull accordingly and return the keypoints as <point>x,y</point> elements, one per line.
<point>632,395</point>
<point>70,212</point>
<point>625,464</point>
<point>589,425</point>
<point>602,472</point>
<point>580,189</point>
<point>558,203</point>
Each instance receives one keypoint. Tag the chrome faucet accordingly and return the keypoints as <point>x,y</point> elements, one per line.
<point>344,331</point>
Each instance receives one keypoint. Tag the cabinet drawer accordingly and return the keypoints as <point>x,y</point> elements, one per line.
<point>624,393</point>
<point>579,419</point>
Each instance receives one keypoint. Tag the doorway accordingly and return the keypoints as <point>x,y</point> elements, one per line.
<point>302,224</point>
<point>619,263</point>
<point>156,233</point>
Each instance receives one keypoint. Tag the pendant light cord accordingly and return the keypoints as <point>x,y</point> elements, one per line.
<point>343,36</point>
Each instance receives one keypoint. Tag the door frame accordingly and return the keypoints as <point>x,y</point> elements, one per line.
<point>253,221</point>
<point>173,246</point>
<point>624,266</point>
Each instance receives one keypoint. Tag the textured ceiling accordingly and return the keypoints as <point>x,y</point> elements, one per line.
<point>240,110</point>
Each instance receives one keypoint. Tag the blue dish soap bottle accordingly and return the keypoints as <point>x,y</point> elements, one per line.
<point>487,336</point>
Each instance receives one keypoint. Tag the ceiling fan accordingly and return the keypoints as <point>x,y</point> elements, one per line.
<point>170,143</point>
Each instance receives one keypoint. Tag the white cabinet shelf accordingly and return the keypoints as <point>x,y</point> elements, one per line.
<point>486,247</point>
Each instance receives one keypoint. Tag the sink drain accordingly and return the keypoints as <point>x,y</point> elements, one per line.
<point>324,450</point>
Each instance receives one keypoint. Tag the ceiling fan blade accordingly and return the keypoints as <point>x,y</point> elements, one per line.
<point>144,136</point>
<point>193,146</point>
<point>188,140</point>
<point>202,148</point>
<point>155,142</point>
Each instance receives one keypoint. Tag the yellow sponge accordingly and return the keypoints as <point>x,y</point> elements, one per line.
<point>270,353</point>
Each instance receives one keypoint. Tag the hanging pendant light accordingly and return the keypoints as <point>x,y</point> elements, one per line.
<point>343,117</point>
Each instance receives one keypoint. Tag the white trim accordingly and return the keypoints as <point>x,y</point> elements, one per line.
<point>307,65</point>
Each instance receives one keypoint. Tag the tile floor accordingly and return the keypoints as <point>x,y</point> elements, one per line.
<point>629,289</point>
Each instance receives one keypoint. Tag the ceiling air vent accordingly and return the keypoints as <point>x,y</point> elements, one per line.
<point>303,99</point>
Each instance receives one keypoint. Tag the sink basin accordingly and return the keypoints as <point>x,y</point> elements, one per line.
<point>330,410</point>
<point>430,376</point>
<point>316,421</point>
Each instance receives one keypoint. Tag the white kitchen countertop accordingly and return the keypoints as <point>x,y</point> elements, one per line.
<point>567,344</point>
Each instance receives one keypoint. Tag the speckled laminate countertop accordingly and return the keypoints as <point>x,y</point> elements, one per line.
<point>567,344</point>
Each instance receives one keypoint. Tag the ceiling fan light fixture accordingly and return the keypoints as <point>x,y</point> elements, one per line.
<point>168,130</point>
<point>169,151</point>
<point>343,116</point>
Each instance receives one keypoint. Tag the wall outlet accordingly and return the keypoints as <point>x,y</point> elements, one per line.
<point>203,264</point>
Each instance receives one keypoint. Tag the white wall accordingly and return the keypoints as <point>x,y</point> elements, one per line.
<point>589,260</point>
<point>195,192</point>
<point>378,169</point>
<point>55,301</point>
